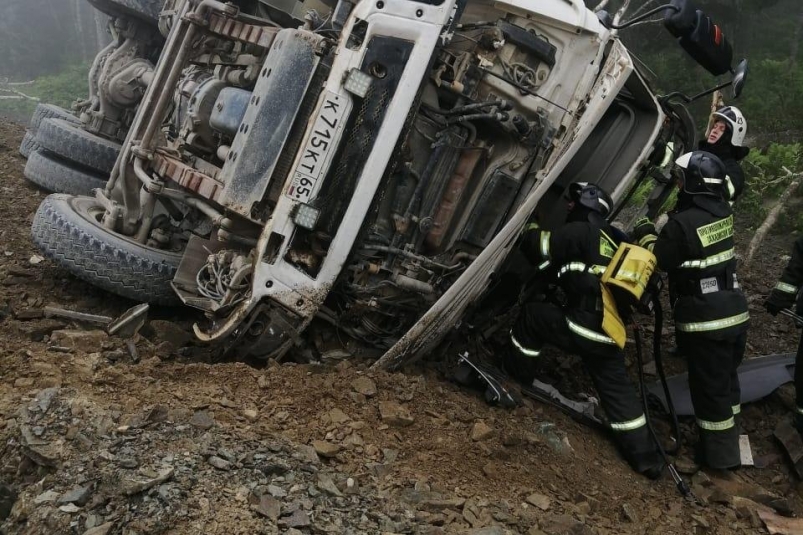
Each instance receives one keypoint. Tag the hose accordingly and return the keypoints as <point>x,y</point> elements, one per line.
<point>659,366</point>
<point>504,105</point>
<point>491,116</point>
<point>680,483</point>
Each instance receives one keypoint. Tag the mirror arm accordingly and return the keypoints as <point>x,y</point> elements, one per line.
<point>689,100</point>
<point>644,16</point>
<point>709,91</point>
<point>674,94</point>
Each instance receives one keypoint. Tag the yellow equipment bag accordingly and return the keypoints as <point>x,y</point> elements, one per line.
<point>612,323</point>
<point>624,282</point>
<point>630,270</point>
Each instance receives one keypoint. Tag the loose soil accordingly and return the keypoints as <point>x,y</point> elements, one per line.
<point>103,436</point>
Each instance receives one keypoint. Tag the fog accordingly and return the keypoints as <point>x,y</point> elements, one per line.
<point>40,37</point>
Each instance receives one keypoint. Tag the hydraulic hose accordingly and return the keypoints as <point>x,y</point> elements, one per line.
<point>680,483</point>
<point>659,366</point>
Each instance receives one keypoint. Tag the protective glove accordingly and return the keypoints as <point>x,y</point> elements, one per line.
<point>644,232</point>
<point>778,301</point>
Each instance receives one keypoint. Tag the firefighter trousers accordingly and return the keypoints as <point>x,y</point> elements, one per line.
<point>541,323</point>
<point>715,393</point>
<point>799,385</point>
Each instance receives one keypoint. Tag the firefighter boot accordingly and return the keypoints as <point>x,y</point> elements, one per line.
<point>719,449</point>
<point>641,452</point>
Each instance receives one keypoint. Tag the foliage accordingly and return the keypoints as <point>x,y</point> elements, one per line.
<point>60,89</point>
<point>775,97</point>
<point>768,165</point>
<point>766,180</point>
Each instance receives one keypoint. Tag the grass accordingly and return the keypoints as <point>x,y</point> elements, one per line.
<point>60,89</point>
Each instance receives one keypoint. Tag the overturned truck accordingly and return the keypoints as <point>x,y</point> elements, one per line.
<point>367,165</point>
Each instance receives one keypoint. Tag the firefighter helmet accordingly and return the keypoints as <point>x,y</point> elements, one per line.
<point>703,173</point>
<point>736,123</point>
<point>592,197</point>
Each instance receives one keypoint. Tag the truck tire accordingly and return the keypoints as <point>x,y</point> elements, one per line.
<point>28,144</point>
<point>147,10</point>
<point>70,142</point>
<point>50,111</point>
<point>59,176</point>
<point>67,229</point>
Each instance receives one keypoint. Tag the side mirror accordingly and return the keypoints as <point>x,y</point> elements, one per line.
<point>680,17</point>
<point>696,32</point>
<point>739,78</point>
<point>708,46</point>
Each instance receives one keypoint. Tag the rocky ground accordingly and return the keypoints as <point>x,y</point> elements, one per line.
<point>102,435</point>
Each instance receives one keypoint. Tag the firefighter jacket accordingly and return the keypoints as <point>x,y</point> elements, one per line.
<point>575,256</point>
<point>787,289</point>
<point>730,156</point>
<point>696,248</point>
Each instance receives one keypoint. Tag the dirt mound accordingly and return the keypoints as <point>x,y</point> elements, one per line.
<point>103,436</point>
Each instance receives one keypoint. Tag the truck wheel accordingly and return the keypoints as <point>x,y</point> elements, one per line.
<point>50,111</point>
<point>148,10</point>
<point>28,144</point>
<point>72,143</point>
<point>60,176</point>
<point>68,230</point>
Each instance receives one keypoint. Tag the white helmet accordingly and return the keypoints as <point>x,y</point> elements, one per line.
<point>736,123</point>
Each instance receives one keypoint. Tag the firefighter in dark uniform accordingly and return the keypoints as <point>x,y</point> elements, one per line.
<point>696,248</point>
<point>575,255</point>
<point>726,140</point>
<point>785,294</point>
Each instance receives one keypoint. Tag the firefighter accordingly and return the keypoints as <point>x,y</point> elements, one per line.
<point>575,255</point>
<point>784,295</point>
<point>696,248</point>
<point>726,141</point>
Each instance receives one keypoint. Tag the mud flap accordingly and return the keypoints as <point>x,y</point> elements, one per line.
<point>758,377</point>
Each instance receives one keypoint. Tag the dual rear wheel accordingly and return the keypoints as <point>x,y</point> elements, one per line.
<point>68,230</point>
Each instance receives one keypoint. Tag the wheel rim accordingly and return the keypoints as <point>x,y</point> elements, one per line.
<point>92,211</point>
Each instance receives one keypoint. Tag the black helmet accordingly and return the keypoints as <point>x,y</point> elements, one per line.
<point>703,173</point>
<point>591,196</point>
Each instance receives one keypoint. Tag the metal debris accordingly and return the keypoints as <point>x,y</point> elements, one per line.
<point>790,439</point>
<point>130,322</point>
<point>745,451</point>
<point>53,312</point>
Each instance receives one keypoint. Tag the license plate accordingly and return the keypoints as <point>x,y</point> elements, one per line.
<point>320,147</point>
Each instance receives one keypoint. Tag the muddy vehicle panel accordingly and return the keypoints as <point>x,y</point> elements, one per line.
<point>369,167</point>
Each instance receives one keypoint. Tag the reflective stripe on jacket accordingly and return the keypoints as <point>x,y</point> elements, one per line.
<point>696,248</point>
<point>792,277</point>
